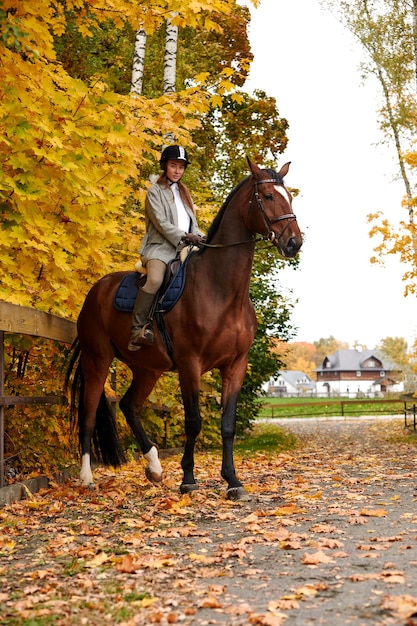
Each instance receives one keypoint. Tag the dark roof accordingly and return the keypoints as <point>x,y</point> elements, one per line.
<point>354,360</point>
<point>296,379</point>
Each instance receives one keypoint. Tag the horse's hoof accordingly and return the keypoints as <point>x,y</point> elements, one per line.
<point>91,486</point>
<point>188,488</point>
<point>238,493</point>
<point>153,477</point>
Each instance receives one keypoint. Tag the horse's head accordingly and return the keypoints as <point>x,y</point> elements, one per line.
<point>270,210</point>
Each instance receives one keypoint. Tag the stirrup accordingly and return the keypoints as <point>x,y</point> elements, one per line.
<point>146,334</point>
<point>139,337</point>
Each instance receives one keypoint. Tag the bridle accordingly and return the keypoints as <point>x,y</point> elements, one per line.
<point>270,235</point>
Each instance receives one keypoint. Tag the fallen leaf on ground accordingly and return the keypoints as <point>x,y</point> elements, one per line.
<point>374,512</point>
<point>316,558</point>
<point>403,606</point>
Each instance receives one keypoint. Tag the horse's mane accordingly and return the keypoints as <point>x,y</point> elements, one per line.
<point>216,222</point>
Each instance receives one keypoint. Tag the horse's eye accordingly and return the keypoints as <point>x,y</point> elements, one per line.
<point>268,196</point>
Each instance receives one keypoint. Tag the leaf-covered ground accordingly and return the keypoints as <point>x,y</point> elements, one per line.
<point>329,537</point>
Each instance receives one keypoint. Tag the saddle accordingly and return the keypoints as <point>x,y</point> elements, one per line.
<point>168,295</point>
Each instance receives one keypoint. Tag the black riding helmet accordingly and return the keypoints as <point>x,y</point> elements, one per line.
<point>173,153</point>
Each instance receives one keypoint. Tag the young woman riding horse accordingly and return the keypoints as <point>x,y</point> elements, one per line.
<point>170,224</point>
<point>213,330</point>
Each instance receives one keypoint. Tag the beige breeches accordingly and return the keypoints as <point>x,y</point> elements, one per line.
<point>155,275</point>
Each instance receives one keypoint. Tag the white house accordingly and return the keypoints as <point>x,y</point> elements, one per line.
<point>291,383</point>
<point>356,372</point>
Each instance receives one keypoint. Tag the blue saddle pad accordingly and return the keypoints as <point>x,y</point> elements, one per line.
<point>175,288</point>
<point>125,296</point>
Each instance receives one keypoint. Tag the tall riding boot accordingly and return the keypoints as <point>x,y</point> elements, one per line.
<point>141,332</point>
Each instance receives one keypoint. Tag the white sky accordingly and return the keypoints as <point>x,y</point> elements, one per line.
<point>309,63</point>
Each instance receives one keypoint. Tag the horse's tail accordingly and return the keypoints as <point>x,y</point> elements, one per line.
<point>105,440</point>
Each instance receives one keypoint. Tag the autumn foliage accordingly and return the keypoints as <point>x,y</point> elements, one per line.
<point>306,357</point>
<point>75,158</point>
<point>72,153</point>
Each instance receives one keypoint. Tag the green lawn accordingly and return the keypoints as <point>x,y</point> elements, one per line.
<point>266,438</point>
<point>321,407</point>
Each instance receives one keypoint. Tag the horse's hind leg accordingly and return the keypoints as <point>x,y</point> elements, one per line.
<point>95,373</point>
<point>131,404</point>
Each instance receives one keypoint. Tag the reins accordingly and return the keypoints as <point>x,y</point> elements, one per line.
<point>203,244</point>
<point>270,235</point>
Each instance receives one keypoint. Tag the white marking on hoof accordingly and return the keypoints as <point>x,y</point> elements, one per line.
<point>154,470</point>
<point>86,476</point>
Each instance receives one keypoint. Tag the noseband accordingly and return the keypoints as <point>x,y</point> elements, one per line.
<point>270,235</point>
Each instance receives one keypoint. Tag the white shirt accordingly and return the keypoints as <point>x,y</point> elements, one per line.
<point>184,220</point>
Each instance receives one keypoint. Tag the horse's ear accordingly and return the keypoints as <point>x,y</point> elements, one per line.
<point>284,169</point>
<point>256,171</point>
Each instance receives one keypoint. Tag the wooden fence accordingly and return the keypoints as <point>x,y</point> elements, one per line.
<point>404,404</point>
<point>21,320</point>
<point>339,407</point>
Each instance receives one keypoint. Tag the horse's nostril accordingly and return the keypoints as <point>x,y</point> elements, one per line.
<point>292,244</point>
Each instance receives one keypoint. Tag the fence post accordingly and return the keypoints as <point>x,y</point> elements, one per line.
<point>1,408</point>
<point>21,320</point>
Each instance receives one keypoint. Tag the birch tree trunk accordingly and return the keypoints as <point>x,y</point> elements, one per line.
<point>170,61</point>
<point>136,84</point>
<point>170,66</point>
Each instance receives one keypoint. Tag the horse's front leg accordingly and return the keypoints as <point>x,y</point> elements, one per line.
<point>131,405</point>
<point>230,394</point>
<point>190,396</point>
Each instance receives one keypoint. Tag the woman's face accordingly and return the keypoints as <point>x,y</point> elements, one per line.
<point>175,169</point>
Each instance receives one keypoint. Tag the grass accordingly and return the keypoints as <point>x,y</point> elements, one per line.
<point>266,438</point>
<point>407,437</point>
<point>321,407</point>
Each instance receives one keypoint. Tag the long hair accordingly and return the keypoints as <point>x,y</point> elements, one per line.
<point>183,189</point>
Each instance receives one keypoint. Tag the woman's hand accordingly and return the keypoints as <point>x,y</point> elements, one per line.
<point>192,239</point>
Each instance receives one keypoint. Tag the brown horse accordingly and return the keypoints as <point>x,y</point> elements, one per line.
<point>212,326</point>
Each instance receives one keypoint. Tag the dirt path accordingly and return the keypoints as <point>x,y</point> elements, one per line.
<point>328,538</point>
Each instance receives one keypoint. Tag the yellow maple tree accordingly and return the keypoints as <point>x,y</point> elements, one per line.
<point>399,239</point>
<point>74,162</point>
<point>71,153</point>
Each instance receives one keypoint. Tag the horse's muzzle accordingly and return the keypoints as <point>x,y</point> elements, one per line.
<point>289,248</point>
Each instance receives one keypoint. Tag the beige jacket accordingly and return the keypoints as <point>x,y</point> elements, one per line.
<point>163,237</point>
